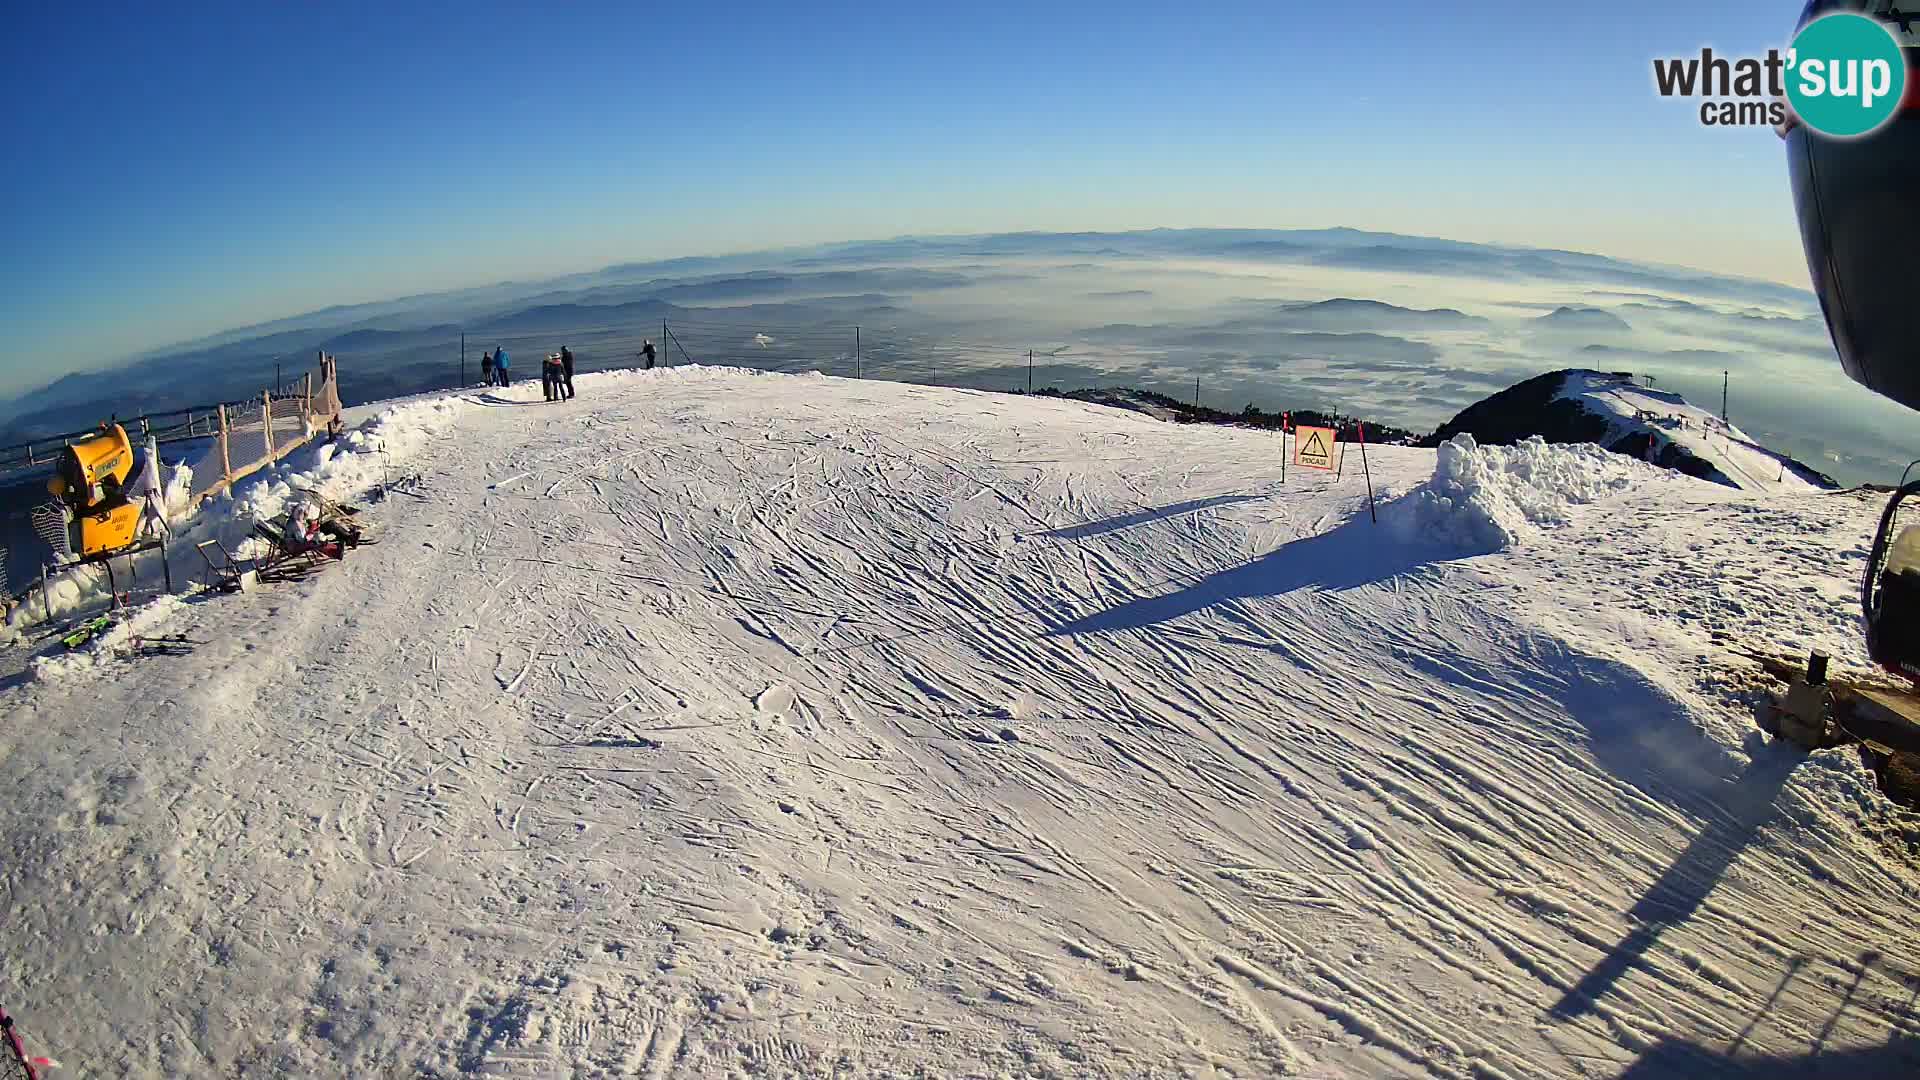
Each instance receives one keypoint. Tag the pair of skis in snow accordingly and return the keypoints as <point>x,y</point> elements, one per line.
<point>87,631</point>
<point>148,643</point>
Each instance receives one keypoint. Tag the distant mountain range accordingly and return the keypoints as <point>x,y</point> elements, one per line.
<point>411,343</point>
<point>1585,319</point>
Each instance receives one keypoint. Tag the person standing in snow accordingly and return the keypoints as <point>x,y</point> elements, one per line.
<point>486,369</point>
<point>646,355</point>
<point>500,364</point>
<point>566,368</point>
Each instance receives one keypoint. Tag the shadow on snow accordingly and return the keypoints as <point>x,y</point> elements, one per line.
<point>1348,556</point>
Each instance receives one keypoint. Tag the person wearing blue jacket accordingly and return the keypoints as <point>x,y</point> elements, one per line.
<point>500,363</point>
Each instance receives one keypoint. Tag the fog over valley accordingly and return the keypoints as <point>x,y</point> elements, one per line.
<point>1404,329</point>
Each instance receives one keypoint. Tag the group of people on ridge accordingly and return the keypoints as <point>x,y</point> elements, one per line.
<point>556,372</point>
<point>493,367</point>
<point>556,375</point>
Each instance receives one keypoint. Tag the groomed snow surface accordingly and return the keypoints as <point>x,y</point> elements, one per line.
<point>717,723</point>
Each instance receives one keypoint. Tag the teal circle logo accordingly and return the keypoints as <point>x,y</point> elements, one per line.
<point>1846,75</point>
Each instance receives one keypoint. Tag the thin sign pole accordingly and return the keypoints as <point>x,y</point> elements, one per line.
<point>463,358</point>
<point>1029,371</point>
<point>1286,421</point>
<point>856,352</point>
<point>1371,512</point>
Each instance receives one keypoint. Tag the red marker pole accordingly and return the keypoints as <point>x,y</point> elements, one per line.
<point>1371,512</point>
<point>19,1051</point>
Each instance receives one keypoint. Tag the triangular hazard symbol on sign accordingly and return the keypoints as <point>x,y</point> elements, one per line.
<point>1313,447</point>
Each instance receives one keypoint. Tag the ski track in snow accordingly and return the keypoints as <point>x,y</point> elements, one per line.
<point>807,726</point>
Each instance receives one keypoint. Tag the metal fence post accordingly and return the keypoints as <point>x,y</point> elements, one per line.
<point>226,458</point>
<point>266,419</point>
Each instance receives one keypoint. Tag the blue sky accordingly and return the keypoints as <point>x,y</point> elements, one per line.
<point>181,169</point>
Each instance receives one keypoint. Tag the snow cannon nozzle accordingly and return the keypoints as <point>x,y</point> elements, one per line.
<point>1817,668</point>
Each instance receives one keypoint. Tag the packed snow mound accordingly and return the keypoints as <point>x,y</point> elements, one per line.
<point>1490,498</point>
<point>360,461</point>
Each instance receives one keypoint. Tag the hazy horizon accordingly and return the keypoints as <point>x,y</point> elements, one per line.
<point>242,179</point>
<point>1399,329</point>
<point>766,256</point>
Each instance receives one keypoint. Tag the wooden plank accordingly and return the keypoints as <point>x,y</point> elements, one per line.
<point>1886,716</point>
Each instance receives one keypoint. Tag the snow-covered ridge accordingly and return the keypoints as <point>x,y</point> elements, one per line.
<point>1664,425</point>
<point>1655,426</point>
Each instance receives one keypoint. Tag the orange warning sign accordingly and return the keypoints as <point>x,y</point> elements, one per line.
<point>1313,447</point>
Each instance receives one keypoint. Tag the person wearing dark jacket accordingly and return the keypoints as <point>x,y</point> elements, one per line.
<point>566,368</point>
<point>646,354</point>
<point>486,369</point>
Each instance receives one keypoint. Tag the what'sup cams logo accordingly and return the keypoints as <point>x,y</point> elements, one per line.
<point>1844,76</point>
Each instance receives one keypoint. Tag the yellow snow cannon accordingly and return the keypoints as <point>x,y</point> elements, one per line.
<point>91,480</point>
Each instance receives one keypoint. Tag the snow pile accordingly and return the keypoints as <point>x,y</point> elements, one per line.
<point>1490,498</point>
<point>360,461</point>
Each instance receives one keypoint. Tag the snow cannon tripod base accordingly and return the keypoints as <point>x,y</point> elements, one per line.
<point>1804,715</point>
<point>1818,712</point>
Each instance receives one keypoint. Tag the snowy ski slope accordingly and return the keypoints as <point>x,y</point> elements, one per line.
<point>718,723</point>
